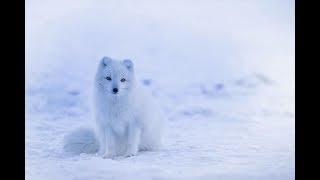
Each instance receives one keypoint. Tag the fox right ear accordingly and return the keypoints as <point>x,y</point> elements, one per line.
<point>105,61</point>
<point>128,63</point>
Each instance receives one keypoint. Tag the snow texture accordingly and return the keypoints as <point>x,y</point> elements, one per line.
<point>221,71</point>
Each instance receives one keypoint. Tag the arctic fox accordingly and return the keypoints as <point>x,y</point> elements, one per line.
<point>126,120</point>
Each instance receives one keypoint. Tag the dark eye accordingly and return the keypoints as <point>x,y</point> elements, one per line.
<point>108,78</point>
<point>123,80</point>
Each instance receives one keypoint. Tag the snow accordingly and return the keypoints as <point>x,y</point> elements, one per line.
<point>222,71</point>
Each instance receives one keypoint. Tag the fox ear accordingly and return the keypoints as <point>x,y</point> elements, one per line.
<point>105,61</point>
<point>128,63</point>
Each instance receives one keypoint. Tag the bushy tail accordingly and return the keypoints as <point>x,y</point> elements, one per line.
<point>82,140</point>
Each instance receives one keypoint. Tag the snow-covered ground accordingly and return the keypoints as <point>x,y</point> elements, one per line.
<point>222,71</point>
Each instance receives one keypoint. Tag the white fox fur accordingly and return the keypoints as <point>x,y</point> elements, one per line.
<point>126,121</point>
<point>82,140</point>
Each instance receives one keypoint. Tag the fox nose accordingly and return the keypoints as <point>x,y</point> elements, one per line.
<point>115,90</point>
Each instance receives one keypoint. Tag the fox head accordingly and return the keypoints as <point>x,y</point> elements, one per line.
<point>115,78</point>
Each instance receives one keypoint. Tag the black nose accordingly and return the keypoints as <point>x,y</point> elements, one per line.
<point>115,90</point>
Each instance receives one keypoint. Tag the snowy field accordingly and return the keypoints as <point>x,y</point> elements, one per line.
<point>221,70</point>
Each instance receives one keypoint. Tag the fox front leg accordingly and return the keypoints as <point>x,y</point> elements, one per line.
<point>110,148</point>
<point>134,133</point>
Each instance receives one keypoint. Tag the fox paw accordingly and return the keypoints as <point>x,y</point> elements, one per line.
<point>129,154</point>
<point>108,156</point>
<point>146,148</point>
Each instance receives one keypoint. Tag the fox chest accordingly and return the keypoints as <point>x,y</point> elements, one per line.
<point>119,121</point>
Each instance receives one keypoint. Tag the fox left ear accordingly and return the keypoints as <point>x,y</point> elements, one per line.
<point>128,63</point>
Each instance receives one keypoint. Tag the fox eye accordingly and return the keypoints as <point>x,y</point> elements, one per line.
<point>123,80</point>
<point>108,78</point>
